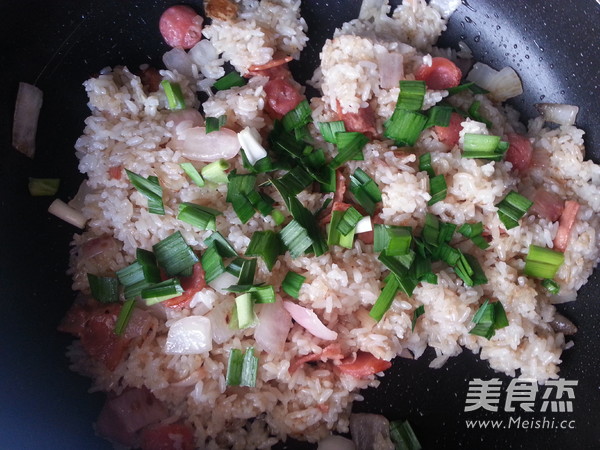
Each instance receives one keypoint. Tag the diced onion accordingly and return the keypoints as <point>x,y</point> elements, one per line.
<point>310,321</point>
<point>558,113</point>
<point>503,84</point>
<point>222,282</point>
<point>364,225</point>
<point>178,59</point>
<point>200,146</point>
<point>27,111</point>
<point>274,324</point>
<point>63,211</point>
<point>391,68</point>
<point>189,336</point>
<point>249,140</point>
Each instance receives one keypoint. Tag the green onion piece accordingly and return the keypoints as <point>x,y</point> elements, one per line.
<point>247,271</point>
<point>511,208</point>
<point>403,436</point>
<point>215,123</point>
<point>334,236</point>
<point>416,314</point>
<point>405,127</point>
<point>212,263</point>
<point>295,238</point>
<point>104,289</point>
<point>431,230</point>
<point>446,232</point>
<point>489,318</point>
<point>412,94</point>
<point>438,189</point>
<point>245,310</point>
<point>174,95</point>
<point>162,291</point>
<point>468,269</point>
<point>349,220</point>
<point>330,184</point>
<point>350,144</point>
<point>265,244</point>
<point>215,172</point>
<point>394,240</point>
<point>191,172</point>
<point>422,269</point>
<point>259,293</point>
<point>475,115</point>
<point>439,116</point>
<point>385,299</point>
<point>234,367</point>
<point>142,273</point>
<point>459,88</point>
<point>297,117</point>
<point>449,255</point>
<point>239,187</point>
<point>149,187</point>
<point>261,202</point>
<point>296,180</point>
<point>551,286</point>
<point>285,143</point>
<point>232,79</point>
<point>330,129</point>
<point>483,147</point>
<point>124,316</point>
<point>480,242</point>
<point>174,254</point>
<point>405,282</point>
<point>470,230</point>
<point>249,369</point>
<point>365,190</point>
<point>223,246</point>
<point>199,216</point>
<point>235,266</point>
<point>292,283</point>
<point>425,164</point>
<point>39,187</point>
<point>542,262</point>
<point>278,217</point>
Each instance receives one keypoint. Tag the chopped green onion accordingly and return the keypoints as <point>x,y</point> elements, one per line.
<point>398,267</point>
<point>480,242</point>
<point>416,314</point>
<point>245,310</point>
<point>174,254</point>
<point>411,96</point>
<point>215,123</point>
<point>124,316</point>
<point>297,117</point>
<point>403,436</point>
<point>149,187</point>
<point>265,244</point>
<point>223,246</point>
<point>296,180</point>
<point>235,266</point>
<point>199,216</point>
<point>239,187</point>
<point>405,127</point>
<point>470,230</point>
<point>215,172</point>
<point>234,367</point>
<point>489,318</point>
<point>431,230</point>
<point>330,129</point>
<point>425,164</point>
<point>438,189</point>
<point>334,236</point>
<point>39,187</point>
<point>278,217</point>
<point>468,269</point>
<point>551,286</point>
<point>292,283</point>
<point>174,95</point>
<point>422,269</point>
<point>284,143</point>
<point>249,369</point>
<point>385,299</point>
<point>295,238</point>
<point>542,262</point>
<point>162,291</point>
<point>439,116</point>
<point>475,115</point>
<point>232,79</point>
<point>483,146</point>
<point>212,262</point>
<point>259,293</point>
<point>470,85</point>
<point>350,144</point>
<point>104,289</point>
<point>349,220</point>
<point>191,172</point>
<point>365,190</point>
<point>511,208</point>
<point>139,275</point>
<point>446,232</point>
<point>449,255</point>
<point>247,271</point>
<point>394,240</point>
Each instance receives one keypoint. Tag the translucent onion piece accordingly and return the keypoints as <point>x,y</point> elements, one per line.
<point>503,84</point>
<point>63,211</point>
<point>558,113</point>
<point>27,112</point>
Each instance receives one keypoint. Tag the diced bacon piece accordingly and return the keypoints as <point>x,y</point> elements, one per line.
<point>340,186</point>
<point>191,285</point>
<point>332,351</point>
<point>520,152</point>
<point>115,172</point>
<point>565,224</point>
<point>450,135</point>
<point>363,365</point>
<point>181,26</point>
<point>151,79</point>
<point>362,121</point>
<point>547,205</point>
<point>282,97</point>
<point>442,74</point>
<point>174,436</point>
<point>270,65</point>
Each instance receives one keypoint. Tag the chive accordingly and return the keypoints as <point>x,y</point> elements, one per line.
<point>247,271</point>
<point>297,117</point>
<point>215,123</point>
<point>174,95</point>
<point>39,187</point>
<point>149,187</point>
<point>475,115</point>
<point>551,286</point>
<point>235,266</point>
<point>448,254</point>
<point>425,164</point>
<point>422,270</point>
<point>470,230</point>
<point>261,165</point>
<point>350,144</point>
<point>104,289</point>
<point>259,293</point>
<point>292,283</point>
<point>245,310</point>
<point>394,240</point>
<point>139,275</point>
<point>296,180</point>
<point>511,208</point>
<point>234,367</point>
<point>334,236</point>
<point>403,436</point>
<point>162,291</point>
<point>284,143</point>
<point>416,314</point>
<point>330,184</point>
<point>174,254</point>
<point>483,147</point>
<point>191,172</point>
<point>438,189</point>
<point>249,369</point>
<point>265,244</point>
<point>212,263</point>
<point>239,187</point>
<point>124,316</point>
<point>199,216</point>
<point>348,221</point>
<point>295,238</point>
<point>431,230</point>
<point>459,88</point>
<point>489,318</point>
<point>446,232</point>
<point>412,94</point>
<point>468,269</point>
<point>232,79</point>
<point>224,248</point>
<point>261,202</point>
<point>405,127</point>
<point>365,190</point>
<point>278,217</point>
<point>542,262</point>
<point>215,172</point>
<point>405,282</point>
<point>330,129</point>
<point>439,116</point>
<point>480,242</point>
<point>385,299</point>
<point>303,134</point>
